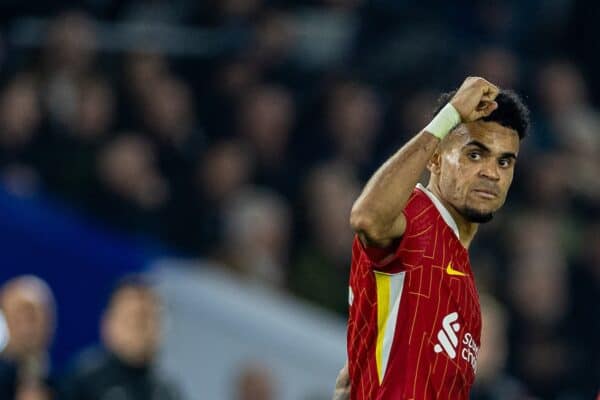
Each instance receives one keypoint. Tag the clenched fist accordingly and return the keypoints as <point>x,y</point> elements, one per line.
<point>475,99</point>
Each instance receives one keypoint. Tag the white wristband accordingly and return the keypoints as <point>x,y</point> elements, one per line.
<point>443,123</point>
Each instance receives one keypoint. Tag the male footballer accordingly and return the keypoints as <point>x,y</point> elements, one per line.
<point>415,322</point>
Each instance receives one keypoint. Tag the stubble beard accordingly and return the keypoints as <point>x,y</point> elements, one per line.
<point>476,216</point>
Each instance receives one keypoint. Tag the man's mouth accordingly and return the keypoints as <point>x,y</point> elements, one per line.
<point>486,194</point>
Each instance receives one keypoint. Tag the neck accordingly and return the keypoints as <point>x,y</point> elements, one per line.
<point>138,362</point>
<point>13,353</point>
<point>466,229</point>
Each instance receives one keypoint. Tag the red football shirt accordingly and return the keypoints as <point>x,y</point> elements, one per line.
<point>415,322</point>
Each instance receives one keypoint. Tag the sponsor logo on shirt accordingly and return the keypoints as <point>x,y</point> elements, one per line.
<point>448,341</point>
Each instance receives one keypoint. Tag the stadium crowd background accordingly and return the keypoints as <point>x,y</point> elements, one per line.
<point>241,131</point>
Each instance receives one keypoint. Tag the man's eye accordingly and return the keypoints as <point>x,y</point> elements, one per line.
<point>474,155</point>
<point>504,162</point>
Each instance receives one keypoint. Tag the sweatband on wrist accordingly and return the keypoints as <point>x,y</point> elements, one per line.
<point>443,123</point>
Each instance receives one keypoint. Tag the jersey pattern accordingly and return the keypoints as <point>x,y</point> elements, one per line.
<point>415,321</point>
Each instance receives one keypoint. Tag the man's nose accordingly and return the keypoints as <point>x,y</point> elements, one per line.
<point>490,171</point>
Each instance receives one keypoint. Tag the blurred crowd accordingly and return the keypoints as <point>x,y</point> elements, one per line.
<point>121,367</point>
<point>252,153</point>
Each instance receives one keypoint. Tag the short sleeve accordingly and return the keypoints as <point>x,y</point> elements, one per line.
<point>382,258</point>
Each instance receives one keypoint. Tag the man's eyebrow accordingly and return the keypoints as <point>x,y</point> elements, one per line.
<point>509,155</point>
<point>480,145</point>
<point>487,149</point>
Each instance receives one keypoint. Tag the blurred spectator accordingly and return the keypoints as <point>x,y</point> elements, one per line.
<point>273,43</point>
<point>539,267</point>
<point>132,192</point>
<point>224,168</point>
<point>141,73</point>
<point>320,270</point>
<point>493,382</point>
<point>575,124</point>
<point>96,110</point>
<point>353,122</point>
<point>256,238</point>
<point>233,78</point>
<point>538,286</point>
<point>255,382</point>
<point>561,88</point>
<point>72,176</point>
<point>29,309</point>
<point>68,57</point>
<point>20,118</point>
<point>542,183</point>
<point>168,114</point>
<point>266,119</point>
<point>124,367</point>
<point>498,65</point>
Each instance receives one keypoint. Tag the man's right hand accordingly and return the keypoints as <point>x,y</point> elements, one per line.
<point>342,385</point>
<point>475,99</point>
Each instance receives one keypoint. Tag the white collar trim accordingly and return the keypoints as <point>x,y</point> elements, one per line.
<point>442,210</point>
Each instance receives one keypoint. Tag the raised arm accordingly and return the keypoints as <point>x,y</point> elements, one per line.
<point>377,213</point>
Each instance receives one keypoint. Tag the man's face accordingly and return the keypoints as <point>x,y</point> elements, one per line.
<point>476,167</point>
<point>132,325</point>
<point>29,320</point>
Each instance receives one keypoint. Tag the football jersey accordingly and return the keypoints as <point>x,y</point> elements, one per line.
<point>415,322</point>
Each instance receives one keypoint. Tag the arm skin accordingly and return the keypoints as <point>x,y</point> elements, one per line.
<point>377,213</point>
<point>342,385</point>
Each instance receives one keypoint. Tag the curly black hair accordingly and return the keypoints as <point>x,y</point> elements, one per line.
<point>511,112</point>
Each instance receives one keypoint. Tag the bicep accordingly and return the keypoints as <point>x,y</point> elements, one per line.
<point>391,234</point>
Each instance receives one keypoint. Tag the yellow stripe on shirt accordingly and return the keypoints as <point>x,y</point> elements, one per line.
<point>382,282</point>
<point>389,293</point>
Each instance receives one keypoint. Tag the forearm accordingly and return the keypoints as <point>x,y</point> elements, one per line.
<point>387,192</point>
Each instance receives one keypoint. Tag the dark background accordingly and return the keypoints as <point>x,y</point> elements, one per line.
<point>241,131</point>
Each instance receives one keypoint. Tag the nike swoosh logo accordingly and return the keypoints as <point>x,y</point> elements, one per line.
<point>453,272</point>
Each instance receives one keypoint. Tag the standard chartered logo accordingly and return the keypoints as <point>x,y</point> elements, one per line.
<point>470,350</point>
<point>448,341</point>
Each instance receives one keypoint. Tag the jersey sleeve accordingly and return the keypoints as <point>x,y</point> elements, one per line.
<point>383,258</point>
